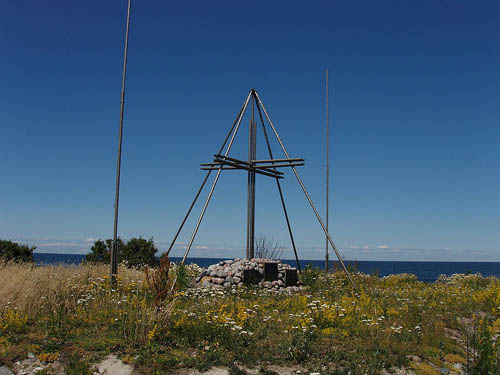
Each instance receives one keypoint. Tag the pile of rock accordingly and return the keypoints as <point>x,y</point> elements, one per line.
<point>265,273</point>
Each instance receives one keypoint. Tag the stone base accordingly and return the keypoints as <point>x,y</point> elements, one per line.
<point>266,273</point>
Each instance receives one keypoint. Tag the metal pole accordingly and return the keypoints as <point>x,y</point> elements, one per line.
<point>114,247</point>
<point>202,185</point>
<point>279,189</point>
<point>251,183</point>
<point>214,183</point>
<point>305,192</point>
<point>327,174</point>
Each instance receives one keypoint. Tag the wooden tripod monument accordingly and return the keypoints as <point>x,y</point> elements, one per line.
<point>268,167</point>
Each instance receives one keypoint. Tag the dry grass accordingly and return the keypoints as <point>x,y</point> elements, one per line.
<point>26,287</point>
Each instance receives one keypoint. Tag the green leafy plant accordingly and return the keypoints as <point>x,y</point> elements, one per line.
<point>183,277</point>
<point>135,253</point>
<point>485,361</point>
<point>13,251</point>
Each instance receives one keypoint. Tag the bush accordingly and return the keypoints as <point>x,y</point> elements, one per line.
<point>139,252</point>
<point>136,252</point>
<point>13,251</point>
<point>100,252</point>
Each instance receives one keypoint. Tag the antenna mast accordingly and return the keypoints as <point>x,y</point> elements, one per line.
<point>327,174</point>
<point>114,248</point>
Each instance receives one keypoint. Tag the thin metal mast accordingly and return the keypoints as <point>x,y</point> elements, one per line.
<point>327,173</point>
<point>114,248</point>
<point>252,150</point>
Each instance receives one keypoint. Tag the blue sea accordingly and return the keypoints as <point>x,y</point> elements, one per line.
<point>425,271</point>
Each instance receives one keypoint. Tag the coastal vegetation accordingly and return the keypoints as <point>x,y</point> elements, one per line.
<point>155,320</point>
<point>135,252</point>
<point>13,251</point>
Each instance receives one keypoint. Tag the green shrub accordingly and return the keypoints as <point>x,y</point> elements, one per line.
<point>136,252</point>
<point>13,251</point>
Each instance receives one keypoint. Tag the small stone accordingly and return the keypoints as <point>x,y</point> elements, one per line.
<point>229,279</point>
<point>31,356</point>
<point>267,284</point>
<point>236,279</point>
<point>229,261</point>
<point>218,281</point>
<point>281,283</point>
<point>227,285</point>
<point>274,283</point>
<point>213,273</point>
<point>314,373</point>
<point>240,283</point>
<point>4,370</point>
<point>222,274</point>
<point>444,370</point>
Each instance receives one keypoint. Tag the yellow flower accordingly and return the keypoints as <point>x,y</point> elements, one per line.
<point>152,333</point>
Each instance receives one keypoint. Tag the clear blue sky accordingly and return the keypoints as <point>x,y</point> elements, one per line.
<point>414,106</point>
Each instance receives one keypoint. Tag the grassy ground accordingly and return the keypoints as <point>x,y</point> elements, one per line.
<point>71,314</point>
